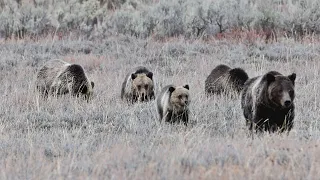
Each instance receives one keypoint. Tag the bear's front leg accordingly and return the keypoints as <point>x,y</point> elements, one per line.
<point>185,117</point>
<point>257,122</point>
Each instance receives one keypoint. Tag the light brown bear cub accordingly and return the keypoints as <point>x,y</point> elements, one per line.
<point>172,104</point>
<point>57,77</point>
<point>138,86</point>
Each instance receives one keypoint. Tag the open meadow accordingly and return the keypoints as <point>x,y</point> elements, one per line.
<point>180,42</point>
<point>107,139</point>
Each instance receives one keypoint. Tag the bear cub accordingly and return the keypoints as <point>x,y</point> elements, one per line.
<point>138,86</point>
<point>267,102</point>
<point>224,80</point>
<point>58,77</point>
<point>172,104</point>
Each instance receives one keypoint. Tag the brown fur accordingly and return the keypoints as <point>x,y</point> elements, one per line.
<point>224,80</point>
<point>267,102</point>
<point>172,104</point>
<point>138,86</point>
<point>57,77</point>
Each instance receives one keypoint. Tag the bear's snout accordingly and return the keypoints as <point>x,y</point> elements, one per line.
<point>141,99</point>
<point>287,103</point>
<point>286,100</point>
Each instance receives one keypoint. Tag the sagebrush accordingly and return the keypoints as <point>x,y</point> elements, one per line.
<point>158,18</point>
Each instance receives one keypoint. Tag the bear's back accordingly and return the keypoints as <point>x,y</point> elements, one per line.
<point>76,71</point>
<point>217,72</point>
<point>49,72</point>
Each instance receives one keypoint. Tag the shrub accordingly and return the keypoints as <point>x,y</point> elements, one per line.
<point>161,19</point>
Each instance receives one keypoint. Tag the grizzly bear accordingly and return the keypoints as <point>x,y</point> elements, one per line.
<point>57,77</point>
<point>267,102</point>
<point>172,104</point>
<point>138,86</point>
<point>224,80</point>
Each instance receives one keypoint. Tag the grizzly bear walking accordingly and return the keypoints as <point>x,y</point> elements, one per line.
<point>172,104</point>
<point>223,79</point>
<point>57,77</point>
<point>138,86</point>
<point>267,102</point>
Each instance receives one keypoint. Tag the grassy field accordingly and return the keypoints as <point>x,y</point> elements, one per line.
<point>66,138</point>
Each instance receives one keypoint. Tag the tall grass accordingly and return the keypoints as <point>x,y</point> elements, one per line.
<point>108,139</point>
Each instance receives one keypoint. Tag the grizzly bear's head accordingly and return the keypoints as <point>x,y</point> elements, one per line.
<point>179,98</point>
<point>281,89</point>
<point>142,86</point>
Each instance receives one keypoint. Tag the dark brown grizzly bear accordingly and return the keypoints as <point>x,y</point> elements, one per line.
<point>57,77</point>
<point>224,80</point>
<point>138,86</point>
<point>267,102</point>
<point>172,104</point>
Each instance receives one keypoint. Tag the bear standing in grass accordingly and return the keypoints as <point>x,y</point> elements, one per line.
<point>267,102</point>
<point>138,86</point>
<point>223,79</point>
<point>57,77</point>
<point>172,104</point>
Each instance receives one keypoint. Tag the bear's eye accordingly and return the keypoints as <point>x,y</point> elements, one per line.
<point>179,96</point>
<point>139,87</point>
<point>146,86</point>
<point>291,92</point>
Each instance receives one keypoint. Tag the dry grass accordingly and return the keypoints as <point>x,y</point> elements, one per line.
<point>106,139</point>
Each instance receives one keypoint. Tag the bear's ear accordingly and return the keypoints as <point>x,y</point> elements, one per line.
<point>92,84</point>
<point>186,86</point>
<point>270,78</point>
<point>149,75</point>
<point>171,89</point>
<point>292,77</point>
<point>133,76</point>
